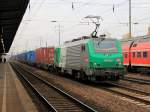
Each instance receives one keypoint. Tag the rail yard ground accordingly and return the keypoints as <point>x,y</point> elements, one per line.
<point>99,96</point>
<point>139,76</point>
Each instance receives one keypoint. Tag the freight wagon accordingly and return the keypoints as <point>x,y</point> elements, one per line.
<point>45,57</point>
<point>96,59</point>
<point>31,57</point>
<point>22,57</point>
<point>91,59</point>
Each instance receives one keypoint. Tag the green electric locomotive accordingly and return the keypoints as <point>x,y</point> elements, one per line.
<point>96,59</point>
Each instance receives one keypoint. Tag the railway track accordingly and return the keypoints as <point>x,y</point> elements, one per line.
<point>140,97</point>
<point>141,81</point>
<point>129,94</point>
<point>55,99</point>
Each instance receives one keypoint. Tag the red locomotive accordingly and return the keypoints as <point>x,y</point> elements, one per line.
<point>136,53</point>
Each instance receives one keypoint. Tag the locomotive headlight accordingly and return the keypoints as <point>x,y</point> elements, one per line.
<point>119,61</point>
<point>95,64</point>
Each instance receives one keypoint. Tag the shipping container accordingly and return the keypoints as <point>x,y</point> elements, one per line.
<point>31,57</point>
<point>22,57</point>
<point>45,57</point>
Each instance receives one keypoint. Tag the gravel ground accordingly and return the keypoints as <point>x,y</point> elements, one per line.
<point>143,87</point>
<point>138,75</point>
<point>107,100</point>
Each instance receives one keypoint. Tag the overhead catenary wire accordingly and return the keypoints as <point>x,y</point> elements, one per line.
<point>144,18</point>
<point>138,5</point>
<point>90,3</point>
<point>110,9</point>
<point>78,8</point>
<point>29,15</point>
<point>32,14</point>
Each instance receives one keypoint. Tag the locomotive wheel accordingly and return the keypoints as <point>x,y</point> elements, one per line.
<point>83,75</point>
<point>77,75</point>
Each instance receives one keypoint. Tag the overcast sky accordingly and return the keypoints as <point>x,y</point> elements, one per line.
<point>37,30</point>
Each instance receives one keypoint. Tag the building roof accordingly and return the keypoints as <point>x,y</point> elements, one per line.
<point>11,13</point>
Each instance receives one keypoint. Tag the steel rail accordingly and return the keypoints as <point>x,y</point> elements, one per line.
<point>141,81</point>
<point>127,95</point>
<point>80,103</point>
<point>129,88</point>
<point>39,95</point>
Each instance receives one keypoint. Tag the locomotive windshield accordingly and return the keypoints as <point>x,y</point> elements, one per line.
<point>105,46</point>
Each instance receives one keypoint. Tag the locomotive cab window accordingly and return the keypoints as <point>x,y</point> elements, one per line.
<point>105,46</point>
<point>138,54</point>
<point>145,55</point>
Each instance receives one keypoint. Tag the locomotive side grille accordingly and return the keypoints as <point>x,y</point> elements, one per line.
<point>73,57</point>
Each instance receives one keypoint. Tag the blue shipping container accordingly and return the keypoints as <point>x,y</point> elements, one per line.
<point>31,57</point>
<point>22,57</point>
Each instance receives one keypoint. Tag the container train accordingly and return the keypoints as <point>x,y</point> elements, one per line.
<point>136,53</point>
<point>86,58</point>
